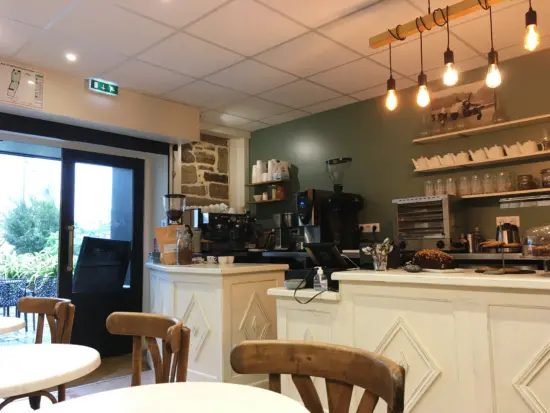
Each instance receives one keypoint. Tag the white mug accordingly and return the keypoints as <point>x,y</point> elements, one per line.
<point>265,196</point>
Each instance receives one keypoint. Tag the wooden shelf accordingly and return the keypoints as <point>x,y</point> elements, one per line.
<point>278,181</point>
<point>507,194</point>
<point>265,202</point>
<point>483,129</point>
<point>505,159</point>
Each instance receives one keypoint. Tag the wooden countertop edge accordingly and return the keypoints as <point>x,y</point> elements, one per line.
<point>217,269</point>
<point>466,279</point>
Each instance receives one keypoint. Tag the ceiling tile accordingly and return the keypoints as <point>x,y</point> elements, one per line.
<point>381,89</point>
<point>254,108</point>
<point>14,35</point>
<point>223,119</point>
<point>307,55</point>
<point>285,117</point>
<point>175,13</point>
<point>188,55</point>
<point>49,49</point>
<point>204,95</point>
<point>35,12</point>
<point>314,13</point>
<point>355,30</point>
<point>352,77</point>
<point>299,94</point>
<point>406,57</point>
<point>370,93</point>
<point>508,26</point>
<point>330,104</point>
<point>248,27</point>
<point>111,27</point>
<point>141,76</point>
<point>251,77</point>
<point>252,126</point>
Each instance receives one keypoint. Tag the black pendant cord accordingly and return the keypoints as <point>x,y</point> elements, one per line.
<point>391,69</point>
<point>448,30</point>
<point>396,35</point>
<point>530,8</point>
<point>491,25</point>
<point>483,5</point>
<point>421,46</point>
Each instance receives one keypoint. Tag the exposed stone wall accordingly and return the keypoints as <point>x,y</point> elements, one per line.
<point>205,171</point>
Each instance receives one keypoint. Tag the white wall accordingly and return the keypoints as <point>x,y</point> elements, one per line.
<point>68,100</point>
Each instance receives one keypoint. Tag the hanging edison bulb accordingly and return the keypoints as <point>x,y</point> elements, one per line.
<point>450,77</point>
<point>532,36</point>
<point>423,95</point>
<point>493,78</point>
<point>391,96</point>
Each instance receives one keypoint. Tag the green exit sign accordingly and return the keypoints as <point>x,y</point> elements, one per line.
<point>102,86</point>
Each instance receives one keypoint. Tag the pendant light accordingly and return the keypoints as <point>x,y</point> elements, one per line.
<point>423,95</point>
<point>493,78</point>
<point>391,97</point>
<point>532,37</point>
<point>450,77</point>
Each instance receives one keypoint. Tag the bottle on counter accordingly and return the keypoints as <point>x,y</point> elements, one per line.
<point>184,247</point>
<point>476,239</point>
<point>320,282</point>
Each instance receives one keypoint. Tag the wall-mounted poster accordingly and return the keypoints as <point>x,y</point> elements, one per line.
<point>462,107</point>
<point>21,87</point>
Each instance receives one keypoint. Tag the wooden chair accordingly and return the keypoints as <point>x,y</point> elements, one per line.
<point>342,367</point>
<point>172,365</point>
<point>60,315</point>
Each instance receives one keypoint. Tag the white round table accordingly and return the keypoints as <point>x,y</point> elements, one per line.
<point>191,397</point>
<point>10,324</point>
<point>31,367</point>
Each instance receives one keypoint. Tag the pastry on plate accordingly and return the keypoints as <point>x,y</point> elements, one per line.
<point>434,260</point>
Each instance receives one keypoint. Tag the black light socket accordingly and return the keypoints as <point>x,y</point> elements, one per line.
<point>449,57</point>
<point>391,83</point>
<point>493,57</point>
<point>422,79</point>
<point>530,17</point>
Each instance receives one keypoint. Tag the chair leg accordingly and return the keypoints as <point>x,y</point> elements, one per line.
<point>61,393</point>
<point>33,321</point>
<point>25,315</point>
<point>8,307</point>
<point>34,401</point>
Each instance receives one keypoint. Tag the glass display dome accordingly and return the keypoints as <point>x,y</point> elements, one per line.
<point>536,242</point>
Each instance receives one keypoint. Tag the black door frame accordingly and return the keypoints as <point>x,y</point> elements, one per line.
<point>69,158</point>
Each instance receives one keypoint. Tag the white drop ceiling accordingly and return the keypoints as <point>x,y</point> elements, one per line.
<point>249,64</point>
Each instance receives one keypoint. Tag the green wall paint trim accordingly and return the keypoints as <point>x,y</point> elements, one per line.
<point>381,146</point>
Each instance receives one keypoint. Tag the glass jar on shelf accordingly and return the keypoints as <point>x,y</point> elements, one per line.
<point>477,188</point>
<point>439,187</point>
<point>536,242</point>
<point>488,184</point>
<point>464,187</point>
<point>429,188</point>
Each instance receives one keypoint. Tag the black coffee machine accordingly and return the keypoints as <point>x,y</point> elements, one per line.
<point>286,225</point>
<point>221,233</point>
<point>332,217</point>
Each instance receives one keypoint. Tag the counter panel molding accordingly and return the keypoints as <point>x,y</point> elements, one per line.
<point>222,305</point>
<point>468,342</point>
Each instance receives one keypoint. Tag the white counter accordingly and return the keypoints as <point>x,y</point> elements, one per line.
<point>222,305</point>
<point>469,342</point>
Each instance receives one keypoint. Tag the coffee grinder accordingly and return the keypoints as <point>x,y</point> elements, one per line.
<point>174,205</point>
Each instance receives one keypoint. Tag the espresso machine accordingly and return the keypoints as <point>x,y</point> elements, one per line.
<point>331,216</point>
<point>222,233</point>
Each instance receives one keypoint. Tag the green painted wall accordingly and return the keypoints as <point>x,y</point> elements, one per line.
<point>381,146</point>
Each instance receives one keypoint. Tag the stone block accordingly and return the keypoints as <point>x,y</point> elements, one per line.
<point>205,157</point>
<point>218,191</point>
<point>197,201</point>
<point>214,140</point>
<point>223,160</point>
<point>205,168</point>
<point>188,174</point>
<point>187,156</point>
<point>193,190</point>
<point>213,177</point>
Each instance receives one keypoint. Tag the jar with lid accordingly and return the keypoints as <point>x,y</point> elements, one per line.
<point>184,247</point>
<point>536,242</point>
<point>545,178</point>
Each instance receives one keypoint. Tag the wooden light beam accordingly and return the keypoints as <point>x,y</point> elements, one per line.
<point>456,11</point>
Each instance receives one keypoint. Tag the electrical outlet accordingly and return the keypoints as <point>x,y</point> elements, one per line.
<point>508,220</point>
<point>367,228</point>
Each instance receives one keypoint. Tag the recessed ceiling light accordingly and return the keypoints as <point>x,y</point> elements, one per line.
<point>71,57</point>
<point>30,82</point>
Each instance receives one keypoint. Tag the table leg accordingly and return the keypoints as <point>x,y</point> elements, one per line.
<point>61,393</point>
<point>34,401</point>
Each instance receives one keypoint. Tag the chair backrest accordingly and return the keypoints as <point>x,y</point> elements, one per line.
<point>59,313</point>
<point>172,365</point>
<point>342,367</point>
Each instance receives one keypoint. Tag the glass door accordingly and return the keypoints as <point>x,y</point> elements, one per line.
<point>101,243</point>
